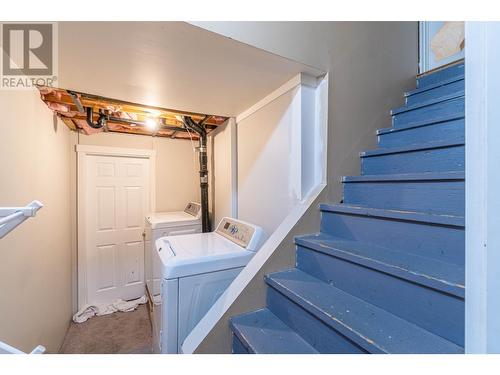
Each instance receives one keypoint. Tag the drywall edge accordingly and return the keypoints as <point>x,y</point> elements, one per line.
<point>299,79</point>
<point>208,322</point>
<point>232,173</point>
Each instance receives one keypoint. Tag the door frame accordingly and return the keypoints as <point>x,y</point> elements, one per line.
<point>423,40</point>
<point>83,152</point>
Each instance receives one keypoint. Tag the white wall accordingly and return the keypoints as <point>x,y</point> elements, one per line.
<point>482,199</point>
<point>223,171</point>
<point>35,258</point>
<point>278,143</point>
<point>279,153</point>
<point>268,164</point>
<point>177,178</point>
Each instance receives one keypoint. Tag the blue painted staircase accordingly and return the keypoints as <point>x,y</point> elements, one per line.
<point>386,272</point>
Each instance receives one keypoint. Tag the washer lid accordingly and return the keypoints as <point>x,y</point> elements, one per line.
<point>171,219</point>
<point>193,254</point>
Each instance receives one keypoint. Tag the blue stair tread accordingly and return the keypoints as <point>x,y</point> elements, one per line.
<point>435,85</point>
<point>445,277</point>
<point>424,217</point>
<point>424,176</point>
<point>370,327</point>
<point>264,333</point>
<point>440,74</point>
<point>420,123</point>
<point>412,148</point>
<point>427,103</point>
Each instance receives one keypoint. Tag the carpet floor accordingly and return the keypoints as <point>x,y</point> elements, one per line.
<point>118,333</point>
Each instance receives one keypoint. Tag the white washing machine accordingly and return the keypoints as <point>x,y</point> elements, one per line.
<point>160,225</point>
<point>196,269</point>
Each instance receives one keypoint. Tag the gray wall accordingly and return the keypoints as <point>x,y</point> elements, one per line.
<point>370,65</point>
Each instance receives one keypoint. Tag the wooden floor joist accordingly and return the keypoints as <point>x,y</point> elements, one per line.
<point>70,106</point>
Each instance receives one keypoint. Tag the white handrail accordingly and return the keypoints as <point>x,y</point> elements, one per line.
<point>14,216</point>
<point>11,217</point>
<point>7,349</point>
<point>40,349</point>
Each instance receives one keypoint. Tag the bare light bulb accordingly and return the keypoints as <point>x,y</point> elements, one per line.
<point>151,124</point>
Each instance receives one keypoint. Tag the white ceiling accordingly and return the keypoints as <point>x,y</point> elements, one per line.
<point>169,64</point>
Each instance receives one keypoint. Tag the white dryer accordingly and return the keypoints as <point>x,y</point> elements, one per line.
<point>160,225</point>
<point>196,269</point>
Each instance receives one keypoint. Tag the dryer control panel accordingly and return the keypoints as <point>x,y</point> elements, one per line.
<point>193,209</point>
<point>244,234</point>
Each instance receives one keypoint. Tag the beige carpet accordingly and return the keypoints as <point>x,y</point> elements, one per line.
<point>118,333</point>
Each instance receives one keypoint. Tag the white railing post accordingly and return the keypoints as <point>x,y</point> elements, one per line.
<point>11,217</point>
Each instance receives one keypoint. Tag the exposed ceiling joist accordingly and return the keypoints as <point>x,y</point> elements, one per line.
<point>78,109</point>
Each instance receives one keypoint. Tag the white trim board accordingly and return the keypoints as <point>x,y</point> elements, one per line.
<point>88,150</point>
<point>426,31</point>
<point>299,79</point>
<point>234,167</point>
<point>322,129</point>
<point>482,187</point>
<point>115,151</point>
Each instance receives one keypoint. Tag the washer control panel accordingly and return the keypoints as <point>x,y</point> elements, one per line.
<point>236,231</point>
<point>193,208</point>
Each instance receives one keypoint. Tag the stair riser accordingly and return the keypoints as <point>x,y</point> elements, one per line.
<point>435,111</point>
<point>437,312</point>
<point>431,160</point>
<point>443,197</point>
<point>441,75</point>
<point>444,243</point>
<point>318,334</point>
<point>442,131</point>
<point>238,347</point>
<point>451,88</point>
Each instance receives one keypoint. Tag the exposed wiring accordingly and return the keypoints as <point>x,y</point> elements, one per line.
<point>194,147</point>
<point>191,138</point>
<point>200,129</point>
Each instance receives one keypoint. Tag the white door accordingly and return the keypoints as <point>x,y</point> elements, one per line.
<point>116,203</point>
